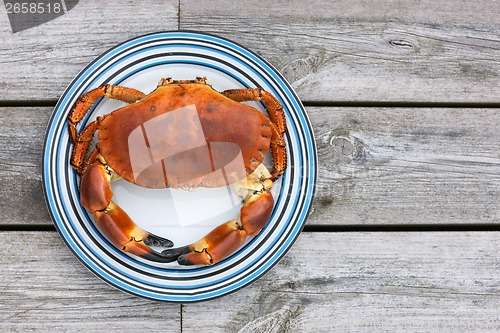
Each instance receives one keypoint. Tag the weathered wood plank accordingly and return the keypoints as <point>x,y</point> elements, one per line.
<point>45,288</point>
<point>376,166</point>
<point>407,166</point>
<point>340,51</point>
<point>425,51</point>
<point>22,133</point>
<point>40,62</point>
<point>356,282</point>
<point>368,282</point>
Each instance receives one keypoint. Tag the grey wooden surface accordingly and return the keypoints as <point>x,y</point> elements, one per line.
<point>404,99</point>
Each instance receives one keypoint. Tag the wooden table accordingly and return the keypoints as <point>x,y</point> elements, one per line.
<point>404,99</point>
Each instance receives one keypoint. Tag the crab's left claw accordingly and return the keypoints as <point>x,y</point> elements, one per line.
<point>112,221</point>
<point>228,237</point>
<point>122,232</point>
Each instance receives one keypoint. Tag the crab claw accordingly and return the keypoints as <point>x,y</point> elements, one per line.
<point>216,245</point>
<point>219,243</point>
<point>112,221</point>
<point>123,233</point>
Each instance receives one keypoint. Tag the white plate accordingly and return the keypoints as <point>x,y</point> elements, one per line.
<point>181,216</point>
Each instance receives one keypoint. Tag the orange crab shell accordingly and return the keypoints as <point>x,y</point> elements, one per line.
<point>184,135</point>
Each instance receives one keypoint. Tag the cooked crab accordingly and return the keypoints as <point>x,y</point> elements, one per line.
<point>184,134</point>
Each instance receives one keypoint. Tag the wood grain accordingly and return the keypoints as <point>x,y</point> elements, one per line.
<point>45,288</point>
<point>368,282</point>
<point>22,133</point>
<point>407,166</point>
<point>376,166</point>
<point>330,51</point>
<point>39,63</point>
<point>425,51</point>
<point>398,282</point>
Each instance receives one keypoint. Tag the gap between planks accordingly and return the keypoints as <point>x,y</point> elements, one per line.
<point>317,228</point>
<point>306,103</point>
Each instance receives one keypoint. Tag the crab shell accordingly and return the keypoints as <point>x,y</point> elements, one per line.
<point>184,136</point>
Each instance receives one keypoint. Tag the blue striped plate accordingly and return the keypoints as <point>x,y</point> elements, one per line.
<point>140,63</point>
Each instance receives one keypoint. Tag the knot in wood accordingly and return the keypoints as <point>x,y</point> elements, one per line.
<point>400,43</point>
<point>347,148</point>
<point>342,146</point>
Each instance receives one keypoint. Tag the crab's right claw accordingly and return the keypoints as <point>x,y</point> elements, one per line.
<point>112,221</point>
<point>212,248</point>
<point>219,243</point>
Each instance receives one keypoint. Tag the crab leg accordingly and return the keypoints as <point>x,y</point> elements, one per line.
<point>278,122</point>
<point>82,107</point>
<point>111,220</point>
<point>228,237</point>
